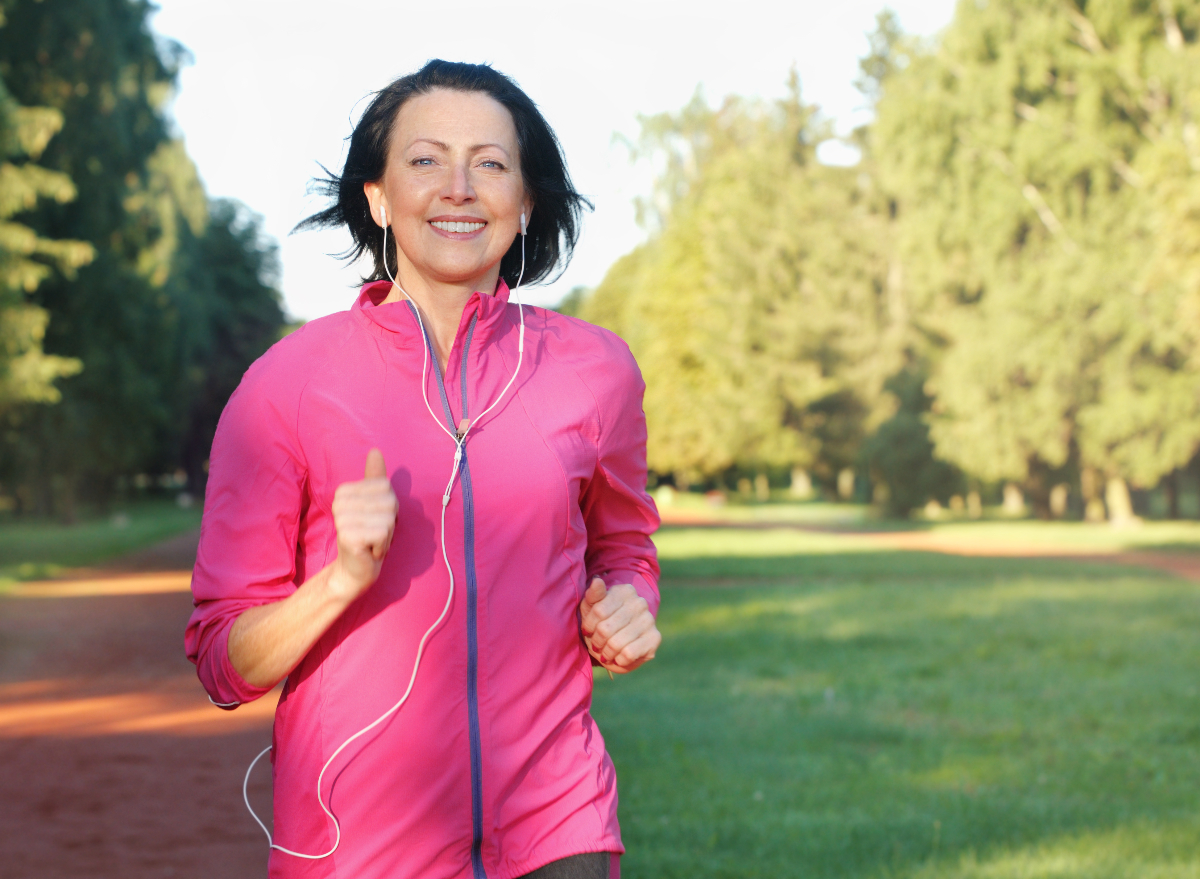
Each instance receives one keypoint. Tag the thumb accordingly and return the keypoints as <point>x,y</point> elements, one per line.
<point>595,592</point>
<point>376,469</point>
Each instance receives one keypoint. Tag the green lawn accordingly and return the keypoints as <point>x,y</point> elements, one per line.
<point>994,528</point>
<point>822,710</point>
<point>35,548</point>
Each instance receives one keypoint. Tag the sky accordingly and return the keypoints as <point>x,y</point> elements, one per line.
<point>273,88</point>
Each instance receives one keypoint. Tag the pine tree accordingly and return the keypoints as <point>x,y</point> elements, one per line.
<point>27,373</point>
<point>1042,167</point>
<point>154,319</point>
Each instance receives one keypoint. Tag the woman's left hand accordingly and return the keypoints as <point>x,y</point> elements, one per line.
<point>618,628</point>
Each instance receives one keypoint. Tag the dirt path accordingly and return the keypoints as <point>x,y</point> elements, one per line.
<point>112,761</point>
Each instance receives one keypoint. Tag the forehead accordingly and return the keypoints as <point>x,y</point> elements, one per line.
<point>457,119</point>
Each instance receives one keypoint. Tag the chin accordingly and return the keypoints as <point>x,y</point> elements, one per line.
<point>456,272</point>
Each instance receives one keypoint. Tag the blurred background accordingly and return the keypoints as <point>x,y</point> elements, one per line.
<point>932,266</point>
<point>915,291</point>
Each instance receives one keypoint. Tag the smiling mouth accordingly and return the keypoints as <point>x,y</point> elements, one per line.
<point>457,227</point>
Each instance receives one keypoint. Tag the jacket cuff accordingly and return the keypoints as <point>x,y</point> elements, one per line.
<point>644,587</point>
<point>225,687</point>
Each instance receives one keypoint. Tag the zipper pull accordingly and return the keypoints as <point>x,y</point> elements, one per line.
<point>463,427</point>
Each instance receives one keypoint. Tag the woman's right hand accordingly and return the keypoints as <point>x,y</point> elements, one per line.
<point>267,641</point>
<point>364,514</point>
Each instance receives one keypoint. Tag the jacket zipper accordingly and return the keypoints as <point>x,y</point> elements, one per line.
<point>472,606</point>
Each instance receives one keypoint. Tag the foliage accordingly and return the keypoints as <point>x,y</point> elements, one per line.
<point>227,314</point>
<point>27,373</point>
<point>899,454</point>
<point>755,311</point>
<point>848,713</point>
<point>1037,156</point>
<point>155,319</point>
<point>1024,223</point>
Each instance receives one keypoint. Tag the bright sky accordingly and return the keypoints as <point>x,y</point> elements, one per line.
<point>275,84</point>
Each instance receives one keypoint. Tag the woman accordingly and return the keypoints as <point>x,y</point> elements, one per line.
<point>436,620</point>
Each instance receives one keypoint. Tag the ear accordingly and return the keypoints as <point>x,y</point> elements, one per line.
<point>377,201</point>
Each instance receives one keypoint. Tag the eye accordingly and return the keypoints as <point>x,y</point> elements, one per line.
<point>424,161</point>
<point>491,163</point>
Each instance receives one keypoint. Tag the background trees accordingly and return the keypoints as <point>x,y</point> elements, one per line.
<point>178,294</point>
<point>1030,156</point>
<point>1004,289</point>
<point>758,310</point>
<point>1007,282</point>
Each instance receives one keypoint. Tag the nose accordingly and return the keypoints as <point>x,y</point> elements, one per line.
<point>459,189</point>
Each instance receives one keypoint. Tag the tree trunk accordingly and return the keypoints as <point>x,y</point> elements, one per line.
<point>1120,507</point>
<point>1171,490</point>
<point>63,493</point>
<point>974,504</point>
<point>802,487</point>
<point>1089,488</point>
<point>1014,500</point>
<point>1037,493</point>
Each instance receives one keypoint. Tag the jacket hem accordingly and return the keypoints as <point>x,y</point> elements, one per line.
<point>521,868</point>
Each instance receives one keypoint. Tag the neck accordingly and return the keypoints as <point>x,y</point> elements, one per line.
<point>441,304</point>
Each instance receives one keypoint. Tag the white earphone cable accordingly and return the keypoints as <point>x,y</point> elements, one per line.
<point>459,441</point>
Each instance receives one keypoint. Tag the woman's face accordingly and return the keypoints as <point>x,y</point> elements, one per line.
<point>452,188</point>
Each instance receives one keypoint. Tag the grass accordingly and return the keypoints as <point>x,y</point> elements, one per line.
<point>32,548</point>
<point>993,528</point>
<point>822,709</point>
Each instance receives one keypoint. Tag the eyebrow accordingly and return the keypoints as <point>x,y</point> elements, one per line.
<point>445,146</point>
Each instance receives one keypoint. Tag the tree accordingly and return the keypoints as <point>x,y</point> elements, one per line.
<point>181,294</point>
<point>27,373</point>
<point>900,456</point>
<point>227,312</point>
<point>755,309</point>
<point>1036,157</point>
<point>96,63</point>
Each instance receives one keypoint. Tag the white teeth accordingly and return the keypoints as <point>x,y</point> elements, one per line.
<point>458,227</point>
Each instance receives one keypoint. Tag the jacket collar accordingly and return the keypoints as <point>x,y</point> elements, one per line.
<point>395,320</point>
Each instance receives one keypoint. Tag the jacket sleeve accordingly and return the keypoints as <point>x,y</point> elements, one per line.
<point>248,536</point>
<point>619,514</point>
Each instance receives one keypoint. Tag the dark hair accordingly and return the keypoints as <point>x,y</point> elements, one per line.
<point>553,226</point>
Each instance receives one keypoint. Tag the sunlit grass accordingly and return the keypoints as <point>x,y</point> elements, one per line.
<point>31,549</point>
<point>824,709</point>
<point>1089,535</point>
<point>993,529</point>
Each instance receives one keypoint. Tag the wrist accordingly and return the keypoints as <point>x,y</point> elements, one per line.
<point>341,587</point>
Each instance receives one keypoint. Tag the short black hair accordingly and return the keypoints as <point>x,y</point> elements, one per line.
<point>553,227</point>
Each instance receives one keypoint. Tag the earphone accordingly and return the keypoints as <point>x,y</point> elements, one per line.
<point>459,438</point>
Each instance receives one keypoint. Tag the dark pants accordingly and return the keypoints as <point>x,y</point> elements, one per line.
<point>590,866</point>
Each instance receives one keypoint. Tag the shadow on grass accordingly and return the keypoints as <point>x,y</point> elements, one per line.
<point>985,717</point>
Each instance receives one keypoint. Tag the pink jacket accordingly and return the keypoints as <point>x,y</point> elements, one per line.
<point>494,766</point>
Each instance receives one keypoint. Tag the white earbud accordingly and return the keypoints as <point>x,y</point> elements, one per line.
<point>383,215</point>
<point>522,222</point>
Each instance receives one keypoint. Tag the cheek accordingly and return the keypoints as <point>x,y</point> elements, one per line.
<point>411,200</point>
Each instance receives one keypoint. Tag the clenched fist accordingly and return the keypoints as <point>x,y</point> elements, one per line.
<point>617,625</point>
<point>364,514</point>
